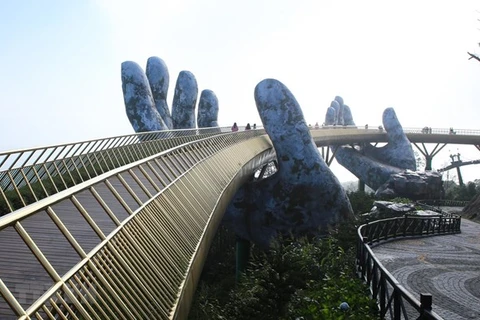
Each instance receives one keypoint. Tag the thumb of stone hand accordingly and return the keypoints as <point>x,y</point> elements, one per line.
<point>304,197</point>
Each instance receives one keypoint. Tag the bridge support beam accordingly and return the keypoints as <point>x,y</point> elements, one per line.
<point>328,154</point>
<point>477,146</point>
<point>361,186</point>
<point>460,178</point>
<point>429,155</point>
<point>242,252</point>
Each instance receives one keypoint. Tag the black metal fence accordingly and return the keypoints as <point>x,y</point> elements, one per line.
<point>394,301</point>
<point>445,203</point>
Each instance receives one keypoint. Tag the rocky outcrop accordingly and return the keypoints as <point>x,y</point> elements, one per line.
<point>412,185</point>
<point>387,209</point>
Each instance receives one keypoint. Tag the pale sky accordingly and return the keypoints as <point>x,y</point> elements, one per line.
<point>60,61</point>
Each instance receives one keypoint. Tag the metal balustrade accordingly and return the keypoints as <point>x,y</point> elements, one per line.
<point>444,203</point>
<point>29,175</point>
<point>469,132</point>
<point>128,244</point>
<point>394,301</point>
<point>32,174</point>
<point>375,128</point>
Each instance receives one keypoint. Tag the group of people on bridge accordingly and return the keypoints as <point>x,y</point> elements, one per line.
<point>428,130</point>
<point>247,127</point>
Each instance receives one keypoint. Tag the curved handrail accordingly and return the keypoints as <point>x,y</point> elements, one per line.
<point>29,175</point>
<point>393,299</point>
<point>457,164</point>
<point>129,243</point>
<point>32,174</point>
<point>347,135</point>
<point>444,202</point>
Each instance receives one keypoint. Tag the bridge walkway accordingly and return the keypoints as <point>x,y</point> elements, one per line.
<point>446,266</point>
<point>129,243</point>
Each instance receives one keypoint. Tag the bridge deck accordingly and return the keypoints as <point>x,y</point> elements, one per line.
<point>80,218</point>
<point>128,244</point>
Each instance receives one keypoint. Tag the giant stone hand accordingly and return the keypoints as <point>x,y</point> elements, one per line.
<point>373,165</point>
<point>304,197</point>
<point>145,97</point>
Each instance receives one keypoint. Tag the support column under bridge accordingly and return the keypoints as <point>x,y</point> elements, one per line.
<point>429,155</point>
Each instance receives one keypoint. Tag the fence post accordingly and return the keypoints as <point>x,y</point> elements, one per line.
<point>374,281</point>
<point>397,298</point>
<point>405,225</point>
<point>425,304</point>
<point>385,231</point>
<point>363,261</point>
<point>382,293</point>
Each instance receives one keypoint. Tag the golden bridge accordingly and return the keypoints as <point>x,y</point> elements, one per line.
<point>119,228</point>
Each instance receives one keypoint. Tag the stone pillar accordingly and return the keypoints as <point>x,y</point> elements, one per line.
<point>242,253</point>
<point>428,162</point>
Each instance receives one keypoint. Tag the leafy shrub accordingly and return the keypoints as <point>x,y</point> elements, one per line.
<point>295,279</point>
<point>361,202</point>
<point>401,200</point>
<point>463,192</point>
<point>322,299</point>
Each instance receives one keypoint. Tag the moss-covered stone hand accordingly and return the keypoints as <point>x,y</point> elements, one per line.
<point>373,165</point>
<point>303,197</point>
<point>145,97</point>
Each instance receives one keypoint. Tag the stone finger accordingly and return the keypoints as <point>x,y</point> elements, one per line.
<point>158,78</point>
<point>398,152</point>
<point>330,116</point>
<point>184,101</point>
<point>347,116</point>
<point>365,168</point>
<point>283,121</point>
<point>139,104</point>
<point>207,110</point>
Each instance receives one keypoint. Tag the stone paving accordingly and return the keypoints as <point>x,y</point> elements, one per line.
<point>446,266</point>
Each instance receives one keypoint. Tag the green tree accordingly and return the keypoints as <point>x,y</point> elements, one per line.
<point>361,202</point>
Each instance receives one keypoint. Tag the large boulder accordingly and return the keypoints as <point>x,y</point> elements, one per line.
<point>387,209</point>
<point>412,185</point>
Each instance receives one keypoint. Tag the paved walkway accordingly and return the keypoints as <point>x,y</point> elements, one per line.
<point>446,266</point>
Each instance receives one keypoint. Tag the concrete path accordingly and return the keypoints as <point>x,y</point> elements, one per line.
<point>446,266</point>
